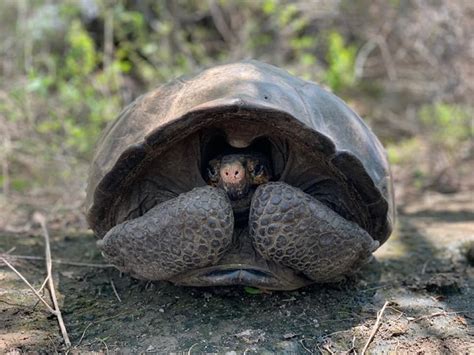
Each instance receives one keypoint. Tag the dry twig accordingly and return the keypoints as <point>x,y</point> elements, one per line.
<point>192,346</point>
<point>45,282</point>
<point>57,261</point>
<point>83,334</point>
<point>375,327</point>
<point>49,281</point>
<point>327,347</point>
<point>28,284</point>
<point>49,267</point>
<point>220,22</point>
<point>437,314</point>
<point>304,346</point>
<point>106,347</point>
<point>115,291</point>
<point>423,269</point>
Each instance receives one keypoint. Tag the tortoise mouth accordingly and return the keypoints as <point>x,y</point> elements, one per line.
<point>240,274</point>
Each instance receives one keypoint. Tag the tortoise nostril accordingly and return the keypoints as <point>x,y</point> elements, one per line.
<point>236,173</point>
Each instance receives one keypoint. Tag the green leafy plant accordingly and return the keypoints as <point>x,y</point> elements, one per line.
<point>341,59</point>
<point>447,124</point>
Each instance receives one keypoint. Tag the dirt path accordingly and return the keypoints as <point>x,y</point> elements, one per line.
<point>421,271</point>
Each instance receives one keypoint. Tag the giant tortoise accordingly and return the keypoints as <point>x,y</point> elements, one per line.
<point>240,175</point>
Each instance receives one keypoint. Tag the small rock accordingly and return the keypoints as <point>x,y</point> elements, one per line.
<point>150,348</point>
<point>445,284</point>
<point>289,347</point>
<point>289,336</point>
<point>251,336</point>
<point>68,274</point>
<point>470,253</point>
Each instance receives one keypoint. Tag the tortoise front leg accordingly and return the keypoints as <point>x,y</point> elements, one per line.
<point>294,229</point>
<point>190,231</point>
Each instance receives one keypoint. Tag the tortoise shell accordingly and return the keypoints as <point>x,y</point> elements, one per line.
<point>157,147</point>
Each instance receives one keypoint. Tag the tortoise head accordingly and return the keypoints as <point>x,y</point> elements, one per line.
<point>239,174</point>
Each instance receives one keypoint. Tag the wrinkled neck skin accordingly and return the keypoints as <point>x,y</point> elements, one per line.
<point>241,208</point>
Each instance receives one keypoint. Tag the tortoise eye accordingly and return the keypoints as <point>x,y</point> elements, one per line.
<point>211,173</point>
<point>258,169</point>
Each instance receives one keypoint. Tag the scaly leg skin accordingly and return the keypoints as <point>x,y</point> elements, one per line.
<point>190,231</point>
<point>294,229</point>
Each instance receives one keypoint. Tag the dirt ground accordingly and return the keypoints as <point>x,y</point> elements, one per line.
<point>422,271</point>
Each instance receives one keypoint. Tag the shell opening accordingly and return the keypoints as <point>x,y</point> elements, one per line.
<point>217,143</point>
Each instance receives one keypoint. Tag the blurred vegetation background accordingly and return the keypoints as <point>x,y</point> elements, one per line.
<point>69,67</point>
